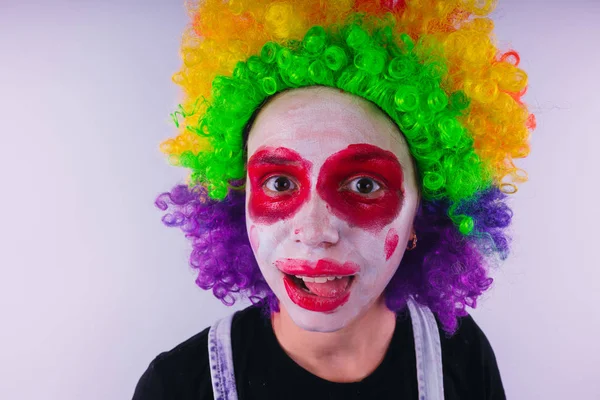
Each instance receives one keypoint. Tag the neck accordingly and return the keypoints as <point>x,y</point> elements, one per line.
<point>347,355</point>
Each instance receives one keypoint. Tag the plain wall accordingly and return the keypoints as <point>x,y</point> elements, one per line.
<point>92,286</point>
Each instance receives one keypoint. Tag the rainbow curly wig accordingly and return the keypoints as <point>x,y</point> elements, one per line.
<point>430,65</point>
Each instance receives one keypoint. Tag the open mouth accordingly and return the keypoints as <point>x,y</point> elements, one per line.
<point>324,286</point>
<point>318,293</point>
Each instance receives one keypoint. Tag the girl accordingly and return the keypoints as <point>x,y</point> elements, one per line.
<point>350,162</point>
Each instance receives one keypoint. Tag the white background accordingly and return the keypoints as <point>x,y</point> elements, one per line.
<point>92,286</point>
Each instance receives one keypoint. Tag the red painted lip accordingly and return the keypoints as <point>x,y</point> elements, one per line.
<point>312,302</point>
<point>322,267</point>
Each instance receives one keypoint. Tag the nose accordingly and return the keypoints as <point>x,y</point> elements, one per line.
<point>314,225</point>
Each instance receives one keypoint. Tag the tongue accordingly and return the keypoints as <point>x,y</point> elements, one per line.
<point>332,288</point>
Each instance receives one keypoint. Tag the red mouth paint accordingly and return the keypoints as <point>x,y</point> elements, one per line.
<point>322,267</point>
<point>358,210</point>
<point>323,297</point>
<point>267,162</point>
<point>391,242</point>
<point>312,302</point>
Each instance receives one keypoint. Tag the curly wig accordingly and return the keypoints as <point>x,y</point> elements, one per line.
<point>431,65</point>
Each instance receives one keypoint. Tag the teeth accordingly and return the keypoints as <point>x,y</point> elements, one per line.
<point>318,279</point>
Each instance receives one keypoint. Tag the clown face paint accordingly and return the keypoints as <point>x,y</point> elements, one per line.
<point>331,198</point>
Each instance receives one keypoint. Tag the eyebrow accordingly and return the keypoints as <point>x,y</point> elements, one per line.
<point>275,156</point>
<point>271,159</point>
<point>358,153</point>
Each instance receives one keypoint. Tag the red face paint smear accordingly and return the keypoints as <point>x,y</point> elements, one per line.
<point>391,242</point>
<point>254,239</point>
<point>362,160</point>
<point>266,163</point>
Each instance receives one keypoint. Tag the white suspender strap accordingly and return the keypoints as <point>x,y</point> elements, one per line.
<point>221,360</point>
<point>428,351</point>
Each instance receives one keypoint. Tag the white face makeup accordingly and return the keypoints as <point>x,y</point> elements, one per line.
<point>331,198</point>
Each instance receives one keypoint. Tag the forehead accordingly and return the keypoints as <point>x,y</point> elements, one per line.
<point>317,122</point>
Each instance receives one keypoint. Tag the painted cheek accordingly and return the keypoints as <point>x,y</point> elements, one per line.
<point>265,163</point>
<point>254,239</point>
<point>391,243</point>
<point>368,161</point>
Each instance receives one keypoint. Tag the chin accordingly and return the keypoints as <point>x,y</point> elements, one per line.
<point>313,321</point>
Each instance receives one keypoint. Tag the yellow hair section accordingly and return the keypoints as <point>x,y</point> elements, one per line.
<point>223,33</point>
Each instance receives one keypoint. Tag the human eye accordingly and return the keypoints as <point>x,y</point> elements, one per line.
<point>279,184</point>
<point>364,186</point>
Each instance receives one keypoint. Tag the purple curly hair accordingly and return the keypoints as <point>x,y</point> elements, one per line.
<point>447,271</point>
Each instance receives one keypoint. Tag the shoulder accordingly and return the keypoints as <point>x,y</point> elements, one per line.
<point>180,373</point>
<point>184,371</point>
<point>468,337</point>
<point>468,345</point>
<point>469,362</point>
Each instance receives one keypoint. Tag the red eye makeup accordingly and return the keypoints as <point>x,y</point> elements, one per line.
<point>279,178</point>
<point>364,161</point>
<point>362,184</point>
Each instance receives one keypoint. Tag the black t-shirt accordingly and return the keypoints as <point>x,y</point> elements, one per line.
<point>263,371</point>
